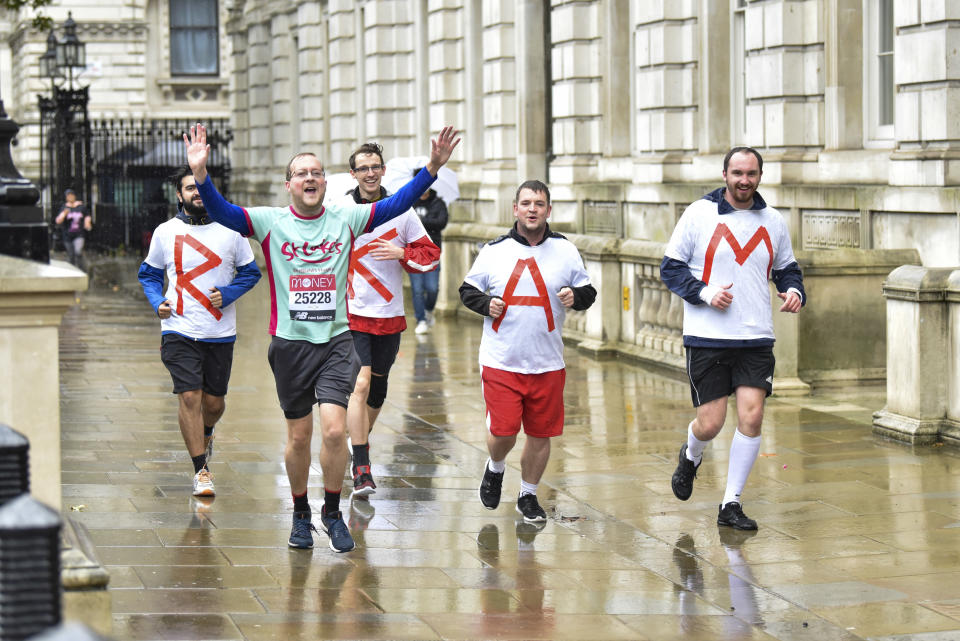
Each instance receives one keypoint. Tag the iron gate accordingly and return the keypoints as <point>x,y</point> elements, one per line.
<point>133,161</point>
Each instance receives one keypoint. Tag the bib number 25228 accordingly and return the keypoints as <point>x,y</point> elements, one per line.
<point>313,297</point>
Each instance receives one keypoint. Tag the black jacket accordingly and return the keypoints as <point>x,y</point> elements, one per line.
<point>433,215</point>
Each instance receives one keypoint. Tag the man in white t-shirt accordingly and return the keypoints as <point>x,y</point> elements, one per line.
<point>208,267</point>
<point>523,283</point>
<point>724,250</point>
<point>375,302</point>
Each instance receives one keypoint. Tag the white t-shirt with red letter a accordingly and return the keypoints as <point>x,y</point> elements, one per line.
<point>196,259</point>
<point>526,337</point>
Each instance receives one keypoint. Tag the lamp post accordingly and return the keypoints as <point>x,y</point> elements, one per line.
<point>23,231</point>
<point>64,124</point>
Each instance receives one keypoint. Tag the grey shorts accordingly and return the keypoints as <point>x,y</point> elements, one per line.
<point>308,373</point>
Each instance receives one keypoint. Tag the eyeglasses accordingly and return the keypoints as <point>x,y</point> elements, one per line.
<point>372,169</point>
<point>301,174</point>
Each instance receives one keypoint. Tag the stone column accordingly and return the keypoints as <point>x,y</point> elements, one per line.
<point>951,429</point>
<point>33,299</point>
<point>918,362</point>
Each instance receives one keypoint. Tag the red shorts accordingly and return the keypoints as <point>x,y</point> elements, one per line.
<point>533,400</point>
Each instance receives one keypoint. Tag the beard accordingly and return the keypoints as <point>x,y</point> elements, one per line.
<point>196,211</point>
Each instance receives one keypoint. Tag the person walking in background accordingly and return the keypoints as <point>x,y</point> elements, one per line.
<point>307,247</point>
<point>375,298</point>
<point>76,221</point>
<point>724,249</point>
<point>522,284</point>
<point>424,286</point>
<point>208,267</point>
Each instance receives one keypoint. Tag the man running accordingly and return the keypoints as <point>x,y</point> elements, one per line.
<point>523,283</point>
<point>375,295</point>
<point>208,267</point>
<point>724,250</point>
<point>307,248</point>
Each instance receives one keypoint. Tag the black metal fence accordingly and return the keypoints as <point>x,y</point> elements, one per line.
<point>133,161</point>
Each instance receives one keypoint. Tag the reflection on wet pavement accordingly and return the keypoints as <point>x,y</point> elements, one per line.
<point>859,538</point>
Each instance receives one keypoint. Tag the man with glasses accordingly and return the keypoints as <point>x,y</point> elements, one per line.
<point>375,294</point>
<point>307,248</point>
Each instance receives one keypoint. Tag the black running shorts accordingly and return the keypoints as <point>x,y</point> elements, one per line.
<point>716,373</point>
<point>376,351</point>
<point>307,373</point>
<point>197,365</point>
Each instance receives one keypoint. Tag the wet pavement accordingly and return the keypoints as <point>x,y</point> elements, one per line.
<point>859,538</point>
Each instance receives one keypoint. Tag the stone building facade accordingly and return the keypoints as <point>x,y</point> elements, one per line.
<point>132,71</point>
<point>625,107</point>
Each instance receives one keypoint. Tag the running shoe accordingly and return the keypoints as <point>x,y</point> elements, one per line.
<point>682,481</point>
<point>203,483</point>
<point>301,534</point>
<point>528,506</point>
<point>732,515</point>
<point>363,484</point>
<point>336,529</point>
<point>490,488</point>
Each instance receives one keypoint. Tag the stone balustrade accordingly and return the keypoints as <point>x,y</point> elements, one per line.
<point>839,337</point>
<point>923,364</point>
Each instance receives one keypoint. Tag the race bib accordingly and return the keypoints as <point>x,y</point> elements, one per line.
<point>313,297</point>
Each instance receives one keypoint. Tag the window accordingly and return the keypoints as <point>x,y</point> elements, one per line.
<point>880,94</point>
<point>738,72</point>
<point>194,38</point>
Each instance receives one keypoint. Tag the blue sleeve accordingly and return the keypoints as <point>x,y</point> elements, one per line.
<point>151,280</point>
<point>388,208</point>
<point>227,214</point>
<point>789,276</point>
<point>678,278</point>
<point>246,277</point>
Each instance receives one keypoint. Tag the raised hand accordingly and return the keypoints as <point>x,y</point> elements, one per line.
<point>197,151</point>
<point>441,148</point>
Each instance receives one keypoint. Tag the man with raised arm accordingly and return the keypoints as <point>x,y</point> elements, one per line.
<point>307,251</point>
<point>375,294</point>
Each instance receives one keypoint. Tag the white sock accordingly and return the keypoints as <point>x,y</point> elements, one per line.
<point>743,452</point>
<point>527,488</point>
<point>496,467</point>
<point>694,446</point>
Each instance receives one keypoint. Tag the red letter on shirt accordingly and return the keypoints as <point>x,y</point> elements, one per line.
<point>357,268</point>
<point>541,300</point>
<point>740,253</point>
<point>185,280</point>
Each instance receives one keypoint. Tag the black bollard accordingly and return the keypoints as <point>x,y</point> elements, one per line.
<point>69,632</point>
<point>30,597</point>
<point>14,464</point>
